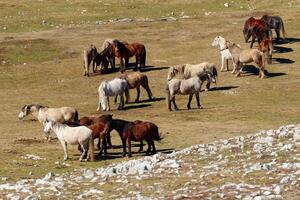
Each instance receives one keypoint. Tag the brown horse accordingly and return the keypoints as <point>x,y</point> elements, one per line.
<point>135,80</point>
<point>90,55</point>
<point>136,131</point>
<point>266,46</point>
<point>98,125</point>
<point>261,29</point>
<point>109,54</point>
<point>126,51</point>
<point>275,22</point>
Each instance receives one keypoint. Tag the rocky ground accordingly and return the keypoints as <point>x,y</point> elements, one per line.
<point>260,166</point>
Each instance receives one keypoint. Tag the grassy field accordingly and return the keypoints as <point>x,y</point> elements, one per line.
<point>40,62</point>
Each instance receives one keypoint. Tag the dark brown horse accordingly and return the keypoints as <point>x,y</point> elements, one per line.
<point>256,28</point>
<point>266,46</point>
<point>121,126</point>
<point>275,22</point>
<point>126,51</point>
<point>136,131</point>
<point>109,57</point>
<point>91,55</point>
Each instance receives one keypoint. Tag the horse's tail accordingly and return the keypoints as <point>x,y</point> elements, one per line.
<point>76,116</point>
<point>145,84</point>
<point>127,93</point>
<point>91,149</point>
<point>157,136</point>
<point>282,29</point>
<point>143,57</point>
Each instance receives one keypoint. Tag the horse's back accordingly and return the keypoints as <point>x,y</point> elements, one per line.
<point>75,135</point>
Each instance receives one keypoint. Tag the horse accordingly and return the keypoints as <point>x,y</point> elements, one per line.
<point>108,55</point>
<point>135,80</point>
<point>72,135</point>
<point>127,51</point>
<point>91,54</point>
<point>275,22</point>
<point>260,33</point>
<point>250,24</point>
<point>114,87</point>
<point>188,71</point>
<point>225,53</point>
<point>266,46</point>
<point>241,56</point>
<point>135,131</point>
<point>188,86</point>
<point>97,125</point>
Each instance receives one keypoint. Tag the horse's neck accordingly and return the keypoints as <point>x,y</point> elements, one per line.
<point>57,129</point>
<point>41,114</point>
<point>222,44</point>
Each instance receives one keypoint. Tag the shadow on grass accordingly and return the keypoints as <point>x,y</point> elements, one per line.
<point>223,88</point>
<point>136,106</point>
<point>149,100</point>
<point>287,41</point>
<point>283,60</point>
<point>279,49</point>
<point>251,70</point>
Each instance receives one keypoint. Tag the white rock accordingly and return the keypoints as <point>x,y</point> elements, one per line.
<point>226,5</point>
<point>286,179</point>
<point>261,198</point>
<point>277,189</point>
<point>89,174</point>
<point>296,136</point>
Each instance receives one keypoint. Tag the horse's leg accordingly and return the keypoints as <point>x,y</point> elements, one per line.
<point>227,65</point>
<point>84,147</point>
<point>124,147</point>
<point>198,100</point>
<point>207,86</point>
<point>138,91</point>
<point>99,142</point>
<point>104,146</point>
<point>277,30</point>
<point>252,41</point>
<point>189,102</point>
<point>222,66</point>
<point>153,147</point>
<point>94,66</point>
<point>174,103</point>
<point>109,144</point>
<point>129,147</point>
<point>149,147</point>
<point>79,148</point>
<point>137,61</point>
<point>141,146</point>
<point>113,62</point>
<point>122,67</point>
<point>115,99</point>
<point>121,102</point>
<point>64,145</point>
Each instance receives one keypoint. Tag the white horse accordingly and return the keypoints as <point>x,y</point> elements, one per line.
<point>189,70</point>
<point>41,113</point>
<point>115,87</point>
<point>225,53</point>
<point>72,135</point>
<point>189,87</point>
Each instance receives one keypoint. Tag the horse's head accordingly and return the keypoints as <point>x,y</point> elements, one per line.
<point>48,124</point>
<point>247,33</point>
<point>216,41</point>
<point>172,72</point>
<point>25,110</point>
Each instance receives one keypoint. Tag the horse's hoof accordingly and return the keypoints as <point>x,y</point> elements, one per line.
<point>200,107</point>
<point>206,90</point>
<point>129,155</point>
<point>189,108</point>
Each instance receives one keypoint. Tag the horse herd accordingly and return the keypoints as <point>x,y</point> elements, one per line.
<point>70,129</point>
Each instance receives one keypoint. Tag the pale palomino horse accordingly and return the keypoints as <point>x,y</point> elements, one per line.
<point>41,113</point>
<point>115,87</point>
<point>189,87</point>
<point>241,56</point>
<point>225,53</point>
<point>135,80</point>
<point>187,71</point>
<point>72,135</point>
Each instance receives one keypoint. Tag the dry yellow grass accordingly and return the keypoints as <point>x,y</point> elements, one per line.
<point>53,73</point>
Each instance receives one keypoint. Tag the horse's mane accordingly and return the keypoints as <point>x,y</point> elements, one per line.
<point>120,45</point>
<point>38,106</point>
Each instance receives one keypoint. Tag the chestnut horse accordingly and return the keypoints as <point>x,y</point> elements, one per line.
<point>262,28</point>
<point>275,22</point>
<point>266,46</point>
<point>98,125</point>
<point>126,51</point>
